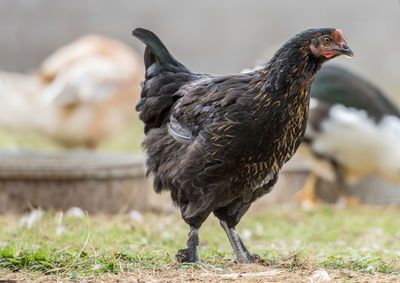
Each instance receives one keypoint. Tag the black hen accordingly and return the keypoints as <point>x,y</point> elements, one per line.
<point>217,142</point>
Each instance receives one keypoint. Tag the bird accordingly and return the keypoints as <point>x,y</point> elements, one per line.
<point>80,94</point>
<point>353,131</point>
<point>217,142</point>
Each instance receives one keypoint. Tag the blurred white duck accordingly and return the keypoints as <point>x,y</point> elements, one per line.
<point>80,95</point>
<point>353,131</point>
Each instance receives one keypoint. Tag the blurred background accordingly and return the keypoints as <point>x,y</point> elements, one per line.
<point>83,96</point>
<point>221,37</point>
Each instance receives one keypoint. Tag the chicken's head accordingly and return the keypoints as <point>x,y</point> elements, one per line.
<point>330,44</point>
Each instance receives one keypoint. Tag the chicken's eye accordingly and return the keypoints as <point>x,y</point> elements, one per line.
<point>327,40</point>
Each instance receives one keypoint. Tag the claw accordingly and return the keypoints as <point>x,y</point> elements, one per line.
<point>187,255</point>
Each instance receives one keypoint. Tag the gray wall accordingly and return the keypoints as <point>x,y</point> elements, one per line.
<point>214,36</point>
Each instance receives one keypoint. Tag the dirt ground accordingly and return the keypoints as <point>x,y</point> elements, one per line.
<point>244,273</point>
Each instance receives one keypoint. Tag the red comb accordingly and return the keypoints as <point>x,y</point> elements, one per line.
<point>339,31</point>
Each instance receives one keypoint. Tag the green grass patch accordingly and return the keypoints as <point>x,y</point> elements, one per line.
<point>364,239</point>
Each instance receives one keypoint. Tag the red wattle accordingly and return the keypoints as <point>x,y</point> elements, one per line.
<point>329,54</point>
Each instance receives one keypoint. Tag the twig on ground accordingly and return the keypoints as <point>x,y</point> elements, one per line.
<point>62,268</point>
<point>84,246</point>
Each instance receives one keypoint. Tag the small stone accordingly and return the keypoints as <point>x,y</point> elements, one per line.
<point>136,215</point>
<point>75,212</point>
<point>320,275</point>
<point>32,218</point>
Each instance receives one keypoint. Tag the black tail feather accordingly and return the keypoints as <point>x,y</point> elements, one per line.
<point>164,76</point>
<point>155,49</point>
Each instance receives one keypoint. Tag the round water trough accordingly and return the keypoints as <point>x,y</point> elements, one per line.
<point>96,182</point>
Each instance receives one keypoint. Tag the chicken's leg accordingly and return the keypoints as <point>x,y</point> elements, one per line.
<point>241,253</point>
<point>191,254</point>
<point>307,195</point>
<point>344,198</point>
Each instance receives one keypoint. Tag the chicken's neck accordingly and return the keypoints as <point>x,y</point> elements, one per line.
<point>285,82</point>
<point>291,72</point>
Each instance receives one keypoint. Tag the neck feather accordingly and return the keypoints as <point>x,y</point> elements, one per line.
<point>291,65</point>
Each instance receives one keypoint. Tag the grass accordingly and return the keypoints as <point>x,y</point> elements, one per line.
<point>363,240</point>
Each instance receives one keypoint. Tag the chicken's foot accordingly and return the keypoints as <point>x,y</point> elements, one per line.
<point>191,254</point>
<point>241,253</point>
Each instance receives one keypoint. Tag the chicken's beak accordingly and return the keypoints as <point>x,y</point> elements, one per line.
<point>343,47</point>
<point>345,50</point>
